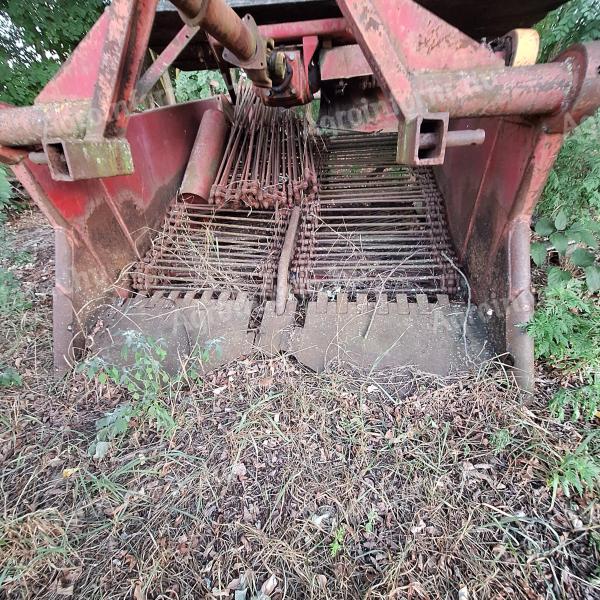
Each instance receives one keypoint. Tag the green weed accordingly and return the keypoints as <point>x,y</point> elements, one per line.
<point>566,328</point>
<point>371,520</point>
<point>147,384</point>
<point>9,378</point>
<point>582,402</point>
<point>338,541</point>
<point>500,440</point>
<point>577,471</point>
<point>12,300</point>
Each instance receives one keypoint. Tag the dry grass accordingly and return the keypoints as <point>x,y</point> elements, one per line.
<point>305,486</point>
<point>193,251</point>
<point>338,486</point>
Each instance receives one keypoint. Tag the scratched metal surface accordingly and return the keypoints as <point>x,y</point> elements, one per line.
<point>477,18</point>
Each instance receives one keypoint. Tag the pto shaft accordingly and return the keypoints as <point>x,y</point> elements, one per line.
<point>222,23</point>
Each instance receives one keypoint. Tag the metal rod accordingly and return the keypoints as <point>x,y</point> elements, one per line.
<point>285,259</point>
<point>166,58</point>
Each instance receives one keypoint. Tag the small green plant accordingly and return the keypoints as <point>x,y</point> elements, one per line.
<point>5,193</point>
<point>12,300</point>
<point>577,471</point>
<point>338,541</point>
<point>371,520</point>
<point>500,440</point>
<point>580,403</point>
<point>566,328</point>
<point>574,243</point>
<point>9,378</point>
<point>147,383</point>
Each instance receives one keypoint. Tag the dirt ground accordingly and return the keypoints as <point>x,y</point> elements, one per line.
<point>279,483</point>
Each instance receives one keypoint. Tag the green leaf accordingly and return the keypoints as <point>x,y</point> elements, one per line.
<point>538,253</point>
<point>544,227</point>
<point>557,276</point>
<point>592,278</point>
<point>560,222</point>
<point>560,241</point>
<point>10,378</point>
<point>582,258</point>
<point>585,236</point>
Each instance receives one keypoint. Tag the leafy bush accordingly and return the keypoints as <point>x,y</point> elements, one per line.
<point>35,38</point>
<point>566,328</point>
<point>574,183</point>
<point>575,21</point>
<point>575,245</point>
<point>194,85</point>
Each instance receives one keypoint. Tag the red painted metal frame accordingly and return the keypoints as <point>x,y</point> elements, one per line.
<point>334,29</point>
<point>125,45</point>
<point>490,195</point>
<point>428,71</point>
<point>401,38</point>
<point>164,61</point>
<point>102,225</point>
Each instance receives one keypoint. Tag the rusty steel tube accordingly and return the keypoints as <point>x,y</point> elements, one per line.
<point>536,89</point>
<point>27,125</point>
<point>221,22</point>
<point>206,156</point>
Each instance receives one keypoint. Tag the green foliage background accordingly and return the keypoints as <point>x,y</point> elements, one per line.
<point>575,21</point>
<point>191,85</point>
<point>566,324</point>
<point>35,38</point>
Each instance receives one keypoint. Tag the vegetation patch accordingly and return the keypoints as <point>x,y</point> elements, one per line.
<point>275,482</point>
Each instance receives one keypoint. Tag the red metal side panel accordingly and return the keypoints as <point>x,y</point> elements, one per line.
<point>103,225</point>
<point>480,185</point>
<point>77,76</point>
<point>160,141</point>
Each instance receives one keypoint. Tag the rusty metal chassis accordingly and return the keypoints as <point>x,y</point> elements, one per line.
<point>433,79</point>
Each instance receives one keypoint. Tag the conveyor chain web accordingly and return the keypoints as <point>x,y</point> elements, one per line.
<point>378,226</point>
<point>375,226</point>
<point>200,249</point>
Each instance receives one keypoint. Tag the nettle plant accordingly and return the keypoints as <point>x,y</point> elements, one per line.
<point>576,245</point>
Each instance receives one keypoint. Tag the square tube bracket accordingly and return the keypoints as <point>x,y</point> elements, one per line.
<point>409,150</point>
<point>73,160</point>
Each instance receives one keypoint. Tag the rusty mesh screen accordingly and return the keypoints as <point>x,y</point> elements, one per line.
<point>374,226</point>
